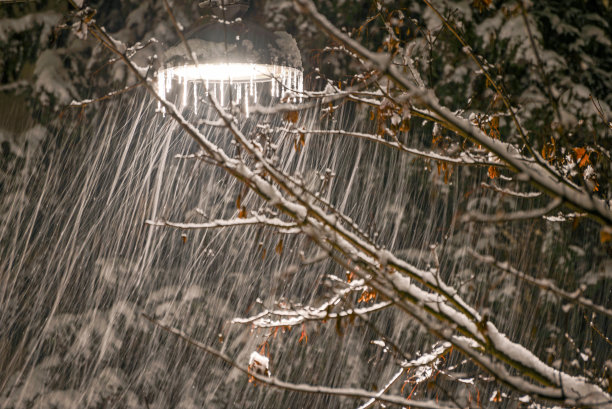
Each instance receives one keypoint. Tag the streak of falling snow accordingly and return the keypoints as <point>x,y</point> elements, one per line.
<point>221,92</point>
<point>195,95</point>
<point>105,267</point>
<point>79,265</point>
<point>161,87</point>
<point>185,90</point>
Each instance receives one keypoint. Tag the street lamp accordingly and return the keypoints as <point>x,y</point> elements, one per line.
<point>239,62</point>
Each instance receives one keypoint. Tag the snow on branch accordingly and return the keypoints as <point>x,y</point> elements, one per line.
<point>46,20</point>
<point>429,358</point>
<point>463,159</point>
<point>304,388</point>
<point>439,308</point>
<point>286,227</point>
<point>535,172</point>
<point>483,343</point>
<point>511,192</point>
<point>292,318</point>
<point>296,316</point>
<point>84,102</point>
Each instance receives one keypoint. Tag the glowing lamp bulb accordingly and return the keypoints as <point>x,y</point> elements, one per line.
<point>240,79</point>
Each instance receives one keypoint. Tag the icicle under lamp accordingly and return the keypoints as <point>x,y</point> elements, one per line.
<point>239,62</point>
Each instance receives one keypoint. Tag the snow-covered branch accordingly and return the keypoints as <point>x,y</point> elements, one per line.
<point>259,220</point>
<point>84,102</point>
<point>464,318</point>
<point>554,184</point>
<point>304,388</point>
<point>384,389</point>
<point>463,158</point>
<point>292,318</point>
<point>439,308</point>
<point>511,192</point>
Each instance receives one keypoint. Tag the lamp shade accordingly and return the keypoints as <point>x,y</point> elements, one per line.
<point>238,62</point>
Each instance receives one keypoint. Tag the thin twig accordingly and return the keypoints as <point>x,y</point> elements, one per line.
<point>575,297</point>
<point>509,192</point>
<point>498,89</point>
<point>535,173</point>
<point>83,103</point>
<point>397,145</point>
<point>304,388</point>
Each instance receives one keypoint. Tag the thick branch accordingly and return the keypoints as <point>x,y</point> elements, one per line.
<point>325,230</point>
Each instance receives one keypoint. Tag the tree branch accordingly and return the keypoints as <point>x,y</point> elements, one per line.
<point>220,223</point>
<point>463,160</point>
<point>532,172</point>
<point>331,236</point>
<point>304,388</point>
<point>546,285</point>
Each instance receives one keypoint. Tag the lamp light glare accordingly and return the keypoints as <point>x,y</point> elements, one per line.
<point>216,77</point>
